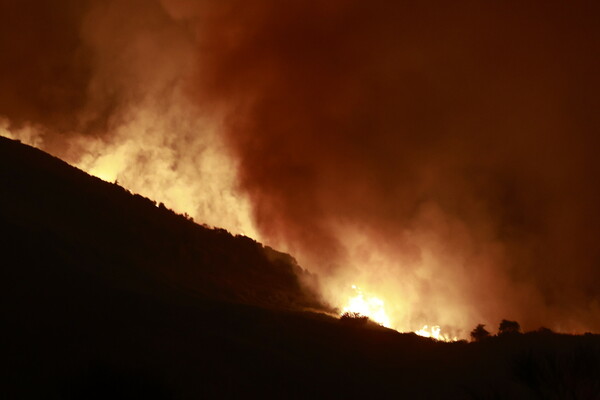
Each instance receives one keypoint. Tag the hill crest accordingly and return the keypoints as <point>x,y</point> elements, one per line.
<point>84,217</point>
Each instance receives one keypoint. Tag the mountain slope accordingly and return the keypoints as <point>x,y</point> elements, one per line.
<point>105,295</point>
<point>135,240</point>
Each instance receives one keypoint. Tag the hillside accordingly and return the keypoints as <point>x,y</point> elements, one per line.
<point>137,242</point>
<point>107,295</point>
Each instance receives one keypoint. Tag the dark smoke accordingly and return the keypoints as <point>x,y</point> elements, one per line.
<point>445,151</point>
<point>469,130</point>
<point>103,85</point>
<point>43,68</point>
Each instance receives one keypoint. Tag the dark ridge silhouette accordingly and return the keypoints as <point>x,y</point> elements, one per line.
<point>138,241</point>
<point>106,295</point>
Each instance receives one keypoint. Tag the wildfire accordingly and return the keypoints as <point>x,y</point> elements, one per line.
<point>369,306</point>
<point>435,332</point>
<point>374,308</point>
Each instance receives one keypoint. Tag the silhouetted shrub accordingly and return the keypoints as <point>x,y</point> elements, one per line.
<point>479,333</point>
<point>354,318</point>
<point>508,328</point>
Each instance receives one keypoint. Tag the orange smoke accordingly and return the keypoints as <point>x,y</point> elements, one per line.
<point>440,158</point>
<point>133,123</point>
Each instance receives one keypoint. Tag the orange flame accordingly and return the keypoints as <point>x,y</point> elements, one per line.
<point>369,306</point>
<point>374,308</point>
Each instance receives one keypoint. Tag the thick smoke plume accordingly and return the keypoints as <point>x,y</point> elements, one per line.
<point>440,155</point>
<point>443,155</point>
<point>102,84</point>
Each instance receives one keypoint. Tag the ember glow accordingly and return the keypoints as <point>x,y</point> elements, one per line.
<point>435,332</point>
<point>367,305</point>
<point>374,308</point>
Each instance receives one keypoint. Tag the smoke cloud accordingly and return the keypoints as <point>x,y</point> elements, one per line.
<point>102,84</point>
<point>440,156</point>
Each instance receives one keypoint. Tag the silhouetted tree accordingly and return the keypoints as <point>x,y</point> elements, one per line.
<point>508,328</point>
<point>479,333</point>
<point>354,318</point>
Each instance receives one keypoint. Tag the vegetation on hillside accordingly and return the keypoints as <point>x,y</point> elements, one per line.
<point>106,295</point>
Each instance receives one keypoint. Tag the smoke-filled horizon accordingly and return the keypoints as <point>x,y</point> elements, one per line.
<point>438,156</point>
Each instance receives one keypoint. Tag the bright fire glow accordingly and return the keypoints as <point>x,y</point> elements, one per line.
<point>369,306</point>
<point>435,332</point>
<point>374,308</point>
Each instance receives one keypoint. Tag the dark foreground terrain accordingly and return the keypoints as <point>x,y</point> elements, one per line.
<point>107,295</point>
